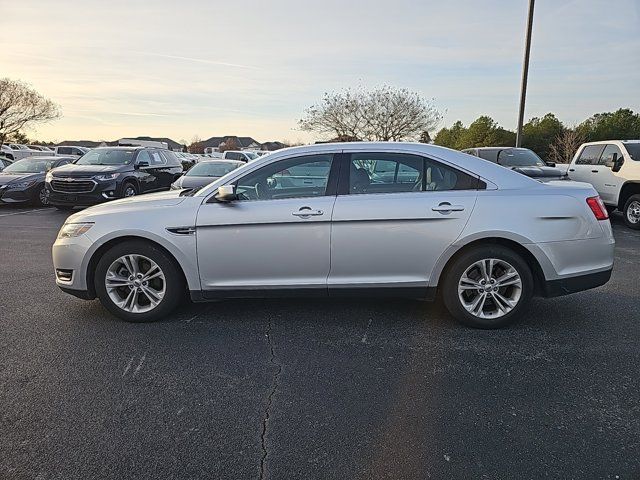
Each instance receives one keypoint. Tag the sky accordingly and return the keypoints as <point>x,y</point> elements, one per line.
<point>250,67</point>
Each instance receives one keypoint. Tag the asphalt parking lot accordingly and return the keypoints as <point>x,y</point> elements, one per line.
<point>309,388</point>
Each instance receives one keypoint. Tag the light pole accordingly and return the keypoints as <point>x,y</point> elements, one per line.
<point>525,74</point>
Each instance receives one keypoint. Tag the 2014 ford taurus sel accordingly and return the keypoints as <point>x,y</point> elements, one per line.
<point>344,219</point>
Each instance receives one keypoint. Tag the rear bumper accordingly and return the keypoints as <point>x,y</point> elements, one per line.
<point>578,283</point>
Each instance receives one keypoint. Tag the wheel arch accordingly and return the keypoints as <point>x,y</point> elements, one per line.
<point>628,188</point>
<point>102,249</point>
<point>517,246</point>
<point>130,179</point>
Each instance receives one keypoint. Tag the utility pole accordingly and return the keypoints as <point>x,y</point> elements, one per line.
<point>525,74</point>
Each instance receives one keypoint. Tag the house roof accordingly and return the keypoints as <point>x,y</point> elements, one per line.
<point>243,142</point>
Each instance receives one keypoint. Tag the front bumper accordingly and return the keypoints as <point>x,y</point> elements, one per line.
<point>102,192</point>
<point>10,196</point>
<point>71,262</point>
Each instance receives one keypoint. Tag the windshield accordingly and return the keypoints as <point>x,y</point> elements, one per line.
<point>211,169</point>
<point>106,156</point>
<point>519,158</point>
<point>634,150</point>
<point>251,155</point>
<point>30,166</point>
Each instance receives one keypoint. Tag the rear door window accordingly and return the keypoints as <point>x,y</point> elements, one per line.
<point>590,155</point>
<point>399,172</point>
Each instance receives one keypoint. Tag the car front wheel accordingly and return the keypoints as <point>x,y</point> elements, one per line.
<point>631,212</point>
<point>129,190</point>
<point>138,282</point>
<point>41,197</point>
<point>487,287</point>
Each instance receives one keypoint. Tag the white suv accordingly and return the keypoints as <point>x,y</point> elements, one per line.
<point>613,168</point>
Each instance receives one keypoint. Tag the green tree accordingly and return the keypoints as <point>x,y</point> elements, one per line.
<point>623,124</point>
<point>485,132</point>
<point>449,137</point>
<point>539,133</point>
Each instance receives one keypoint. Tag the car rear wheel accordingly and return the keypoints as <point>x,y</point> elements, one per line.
<point>129,190</point>
<point>631,212</point>
<point>487,287</point>
<point>138,282</point>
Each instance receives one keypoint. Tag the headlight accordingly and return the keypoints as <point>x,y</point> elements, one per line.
<point>26,184</point>
<point>70,230</point>
<point>106,176</point>
<point>48,177</point>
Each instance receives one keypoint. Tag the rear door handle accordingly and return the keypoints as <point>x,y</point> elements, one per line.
<point>306,212</point>
<point>594,171</point>
<point>572,169</point>
<point>446,207</point>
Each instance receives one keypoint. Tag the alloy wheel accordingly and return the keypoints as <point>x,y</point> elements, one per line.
<point>490,288</point>
<point>43,196</point>
<point>633,212</point>
<point>135,283</point>
<point>129,191</point>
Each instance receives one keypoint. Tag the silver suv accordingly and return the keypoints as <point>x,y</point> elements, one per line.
<point>369,219</point>
<point>613,168</point>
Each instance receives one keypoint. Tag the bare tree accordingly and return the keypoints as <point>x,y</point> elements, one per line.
<point>196,145</point>
<point>230,144</point>
<point>21,106</point>
<point>384,113</point>
<point>565,145</point>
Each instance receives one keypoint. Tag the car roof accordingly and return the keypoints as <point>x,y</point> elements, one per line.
<point>600,142</point>
<point>47,157</point>
<point>221,160</point>
<point>496,148</point>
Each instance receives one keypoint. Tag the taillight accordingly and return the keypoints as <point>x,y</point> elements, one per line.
<point>597,207</point>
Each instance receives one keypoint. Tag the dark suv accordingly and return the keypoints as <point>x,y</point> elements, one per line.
<point>112,172</point>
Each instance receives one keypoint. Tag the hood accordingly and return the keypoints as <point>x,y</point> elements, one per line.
<point>141,202</point>
<point>73,170</point>
<point>540,173</point>
<point>193,181</point>
<point>6,178</point>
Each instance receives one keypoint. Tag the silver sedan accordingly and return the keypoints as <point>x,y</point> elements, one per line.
<point>398,219</point>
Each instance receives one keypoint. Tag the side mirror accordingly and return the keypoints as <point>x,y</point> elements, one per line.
<point>551,164</point>
<point>617,163</point>
<point>142,164</point>
<point>226,193</point>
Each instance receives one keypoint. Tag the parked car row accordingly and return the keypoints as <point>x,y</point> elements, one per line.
<point>15,151</point>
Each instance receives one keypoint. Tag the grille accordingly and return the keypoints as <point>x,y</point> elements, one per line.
<point>73,186</point>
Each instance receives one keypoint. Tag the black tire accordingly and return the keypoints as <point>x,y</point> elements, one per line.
<point>40,199</point>
<point>129,186</point>
<point>64,208</point>
<point>174,286</point>
<point>460,265</point>
<point>632,202</point>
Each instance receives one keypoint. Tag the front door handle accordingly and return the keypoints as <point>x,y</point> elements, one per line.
<point>572,169</point>
<point>306,212</point>
<point>594,171</point>
<point>446,207</point>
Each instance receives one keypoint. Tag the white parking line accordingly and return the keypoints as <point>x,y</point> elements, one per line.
<point>24,213</point>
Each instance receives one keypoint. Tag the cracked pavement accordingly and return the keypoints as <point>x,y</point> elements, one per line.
<point>306,389</point>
